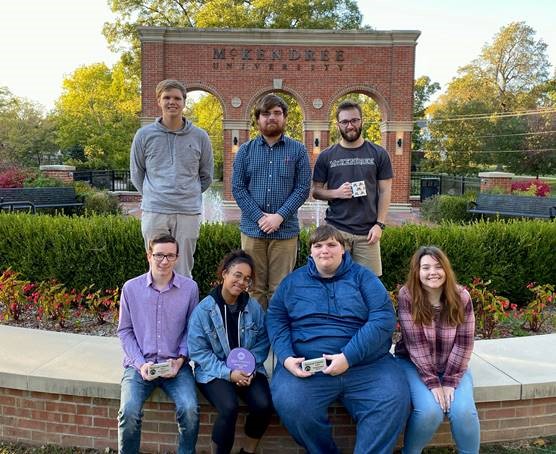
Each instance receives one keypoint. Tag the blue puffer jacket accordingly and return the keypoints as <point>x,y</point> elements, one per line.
<point>350,313</point>
<point>208,345</point>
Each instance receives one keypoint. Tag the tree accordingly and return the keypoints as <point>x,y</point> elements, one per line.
<point>313,14</point>
<point>97,111</point>
<point>478,121</point>
<point>207,113</point>
<point>423,90</point>
<point>27,135</point>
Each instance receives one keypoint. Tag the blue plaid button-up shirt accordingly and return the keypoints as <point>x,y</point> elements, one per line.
<point>271,179</point>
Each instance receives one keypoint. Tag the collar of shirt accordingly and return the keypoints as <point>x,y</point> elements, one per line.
<point>261,141</point>
<point>173,282</point>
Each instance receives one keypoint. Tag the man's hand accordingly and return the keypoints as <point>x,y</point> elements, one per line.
<point>294,367</point>
<point>145,371</point>
<point>269,223</point>
<point>344,191</point>
<point>338,365</point>
<point>374,234</point>
<point>240,378</point>
<point>175,366</point>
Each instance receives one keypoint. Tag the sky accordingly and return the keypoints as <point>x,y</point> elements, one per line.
<point>41,42</point>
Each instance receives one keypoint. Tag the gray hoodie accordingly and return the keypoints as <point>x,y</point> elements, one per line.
<point>171,168</point>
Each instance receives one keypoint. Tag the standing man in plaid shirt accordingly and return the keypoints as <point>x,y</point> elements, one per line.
<point>271,180</point>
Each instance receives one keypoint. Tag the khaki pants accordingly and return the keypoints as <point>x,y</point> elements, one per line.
<point>274,259</point>
<point>183,227</point>
<point>364,253</point>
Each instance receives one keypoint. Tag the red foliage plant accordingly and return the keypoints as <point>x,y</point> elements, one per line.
<point>535,187</point>
<point>13,178</point>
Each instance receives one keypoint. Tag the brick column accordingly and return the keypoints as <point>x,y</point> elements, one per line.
<point>500,180</point>
<point>236,132</point>
<point>58,172</point>
<point>315,136</point>
<point>396,138</point>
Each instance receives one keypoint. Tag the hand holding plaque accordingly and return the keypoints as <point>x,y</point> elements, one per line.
<point>241,359</point>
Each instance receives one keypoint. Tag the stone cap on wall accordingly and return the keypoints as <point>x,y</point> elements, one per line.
<point>57,167</point>
<point>80,365</point>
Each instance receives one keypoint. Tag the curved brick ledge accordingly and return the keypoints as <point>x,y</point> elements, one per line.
<point>64,389</point>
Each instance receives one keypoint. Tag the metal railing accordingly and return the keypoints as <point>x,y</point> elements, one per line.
<point>113,180</point>
<point>447,184</point>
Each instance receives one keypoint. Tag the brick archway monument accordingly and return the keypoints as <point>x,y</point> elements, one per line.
<point>314,66</point>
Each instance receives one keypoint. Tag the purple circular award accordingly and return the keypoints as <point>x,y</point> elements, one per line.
<point>241,359</point>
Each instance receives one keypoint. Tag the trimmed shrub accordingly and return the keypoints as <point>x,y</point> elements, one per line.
<point>105,251</point>
<point>96,201</point>
<point>447,208</point>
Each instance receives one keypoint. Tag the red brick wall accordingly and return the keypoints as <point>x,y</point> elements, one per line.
<point>381,67</point>
<point>38,418</point>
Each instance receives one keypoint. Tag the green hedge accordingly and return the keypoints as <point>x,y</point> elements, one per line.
<point>108,250</point>
<point>443,208</point>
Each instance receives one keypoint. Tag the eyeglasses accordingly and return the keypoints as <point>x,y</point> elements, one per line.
<point>159,257</point>
<point>353,122</point>
<point>246,280</point>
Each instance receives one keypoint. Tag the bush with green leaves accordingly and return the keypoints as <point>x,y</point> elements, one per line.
<point>96,201</point>
<point>105,251</point>
<point>447,208</point>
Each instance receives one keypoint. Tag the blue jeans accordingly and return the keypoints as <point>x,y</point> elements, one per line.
<point>135,391</point>
<point>375,395</point>
<point>427,415</point>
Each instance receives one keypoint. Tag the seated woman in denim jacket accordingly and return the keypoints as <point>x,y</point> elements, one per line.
<point>226,319</point>
<point>438,326</point>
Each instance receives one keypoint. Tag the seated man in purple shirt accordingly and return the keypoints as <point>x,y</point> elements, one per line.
<point>154,312</point>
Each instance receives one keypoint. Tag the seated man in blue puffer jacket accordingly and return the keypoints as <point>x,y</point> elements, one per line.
<point>336,309</point>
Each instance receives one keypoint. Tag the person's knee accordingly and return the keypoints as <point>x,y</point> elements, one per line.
<point>464,416</point>
<point>428,416</point>
<point>130,413</point>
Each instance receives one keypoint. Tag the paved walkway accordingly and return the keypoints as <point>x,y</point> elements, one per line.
<point>310,214</point>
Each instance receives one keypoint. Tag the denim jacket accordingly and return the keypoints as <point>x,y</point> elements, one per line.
<point>208,344</point>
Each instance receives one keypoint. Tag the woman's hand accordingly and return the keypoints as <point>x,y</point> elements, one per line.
<point>240,378</point>
<point>448,397</point>
<point>438,394</point>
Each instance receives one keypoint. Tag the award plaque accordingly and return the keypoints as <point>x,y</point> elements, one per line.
<point>156,370</point>
<point>241,359</point>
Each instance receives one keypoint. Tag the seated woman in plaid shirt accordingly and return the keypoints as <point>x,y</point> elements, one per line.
<point>438,324</point>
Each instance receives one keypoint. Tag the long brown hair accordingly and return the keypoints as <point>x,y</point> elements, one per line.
<point>421,309</point>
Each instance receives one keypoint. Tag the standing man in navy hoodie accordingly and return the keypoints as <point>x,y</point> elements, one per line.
<point>171,166</point>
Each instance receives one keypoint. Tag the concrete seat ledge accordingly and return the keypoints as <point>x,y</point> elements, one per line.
<point>64,389</point>
<point>51,362</point>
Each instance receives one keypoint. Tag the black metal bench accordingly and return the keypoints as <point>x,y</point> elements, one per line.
<point>514,206</point>
<point>32,199</point>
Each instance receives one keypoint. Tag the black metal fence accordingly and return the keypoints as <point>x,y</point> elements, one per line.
<point>113,180</point>
<point>428,184</point>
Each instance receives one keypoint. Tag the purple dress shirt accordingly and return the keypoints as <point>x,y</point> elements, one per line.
<point>153,324</point>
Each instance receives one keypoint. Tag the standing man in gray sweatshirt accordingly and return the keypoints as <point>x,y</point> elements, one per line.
<point>171,165</point>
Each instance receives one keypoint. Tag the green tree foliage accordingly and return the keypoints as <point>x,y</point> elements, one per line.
<point>480,111</point>
<point>313,14</point>
<point>423,90</point>
<point>206,112</point>
<point>27,135</point>
<point>97,112</point>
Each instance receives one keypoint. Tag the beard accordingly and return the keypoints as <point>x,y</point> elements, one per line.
<point>272,129</point>
<point>351,136</point>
